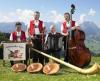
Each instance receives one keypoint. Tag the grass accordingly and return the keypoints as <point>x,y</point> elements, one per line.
<point>65,74</point>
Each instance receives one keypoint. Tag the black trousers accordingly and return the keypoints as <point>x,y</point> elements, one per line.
<point>36,56</point>
<point>54,53</point>
<point>1,53</point>
<point>27,55</point>
<point>66,51</point>
<point>66,40</point>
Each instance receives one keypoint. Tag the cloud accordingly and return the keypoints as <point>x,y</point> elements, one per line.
<point>18,15</point>
<point>55,16</point>
<point>92,12</point>
<point>86,16</point>
<point>82,18</point>
<point>26,15</point>
<point>52,16</point>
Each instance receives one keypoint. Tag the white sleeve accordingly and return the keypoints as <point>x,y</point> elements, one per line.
<point>61,29</point>
<point>11,37</point>
<point>43,25</point>
<point>28,27</point>
<point>46,39</point>
<point>27,33</point>
<point>76,24</point>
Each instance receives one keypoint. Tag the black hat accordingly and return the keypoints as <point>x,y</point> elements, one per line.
<point>18,24</point>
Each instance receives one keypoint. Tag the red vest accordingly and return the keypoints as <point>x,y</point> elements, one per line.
<point>22,37</point>
<point>32,30</point>
<point>65,29</point>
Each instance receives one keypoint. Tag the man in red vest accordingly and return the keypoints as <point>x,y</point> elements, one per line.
<point>35,29</point>
<point>18,36</point>
<point>67,28</point>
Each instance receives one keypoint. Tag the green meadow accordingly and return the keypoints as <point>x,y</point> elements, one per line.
<point>64,74</point>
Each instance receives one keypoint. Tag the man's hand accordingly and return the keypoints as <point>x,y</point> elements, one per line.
<point>32,37</point>
<point>73,28</point>
<point>30,43</point>
<point>66,34</point>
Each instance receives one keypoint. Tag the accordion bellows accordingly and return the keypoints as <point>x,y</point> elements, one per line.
<point>19,67</point>
<point>34,67</point>
<point>51,68</point>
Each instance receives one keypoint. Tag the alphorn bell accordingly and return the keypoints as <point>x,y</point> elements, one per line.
<point>18,67</point>
<point>51,68</point>
<point>34,67</point>
<point>92,70</point>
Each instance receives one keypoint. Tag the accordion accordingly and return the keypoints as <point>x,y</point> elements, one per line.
<point>54,41</point>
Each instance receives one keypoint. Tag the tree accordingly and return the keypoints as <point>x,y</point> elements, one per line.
<point>3,37</point>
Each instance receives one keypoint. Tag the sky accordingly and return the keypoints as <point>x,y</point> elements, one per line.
<point>51,10</point>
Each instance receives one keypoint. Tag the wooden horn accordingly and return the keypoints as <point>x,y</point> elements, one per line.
<point>92,70</point>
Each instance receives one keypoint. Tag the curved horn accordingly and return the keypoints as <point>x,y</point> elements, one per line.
<point>94,69</point>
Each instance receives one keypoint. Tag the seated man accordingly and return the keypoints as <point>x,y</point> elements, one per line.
<point>54,42</point>
<point>18,36</point>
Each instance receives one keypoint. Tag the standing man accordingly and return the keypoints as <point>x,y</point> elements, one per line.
<point>18,36</point>
<point>36,28</point>
<point>67,30</point>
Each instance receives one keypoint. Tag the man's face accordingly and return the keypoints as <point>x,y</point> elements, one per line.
<point>36,16</point>
<point>53,29</point>
<point>18,28</point>
<point>67,17</point>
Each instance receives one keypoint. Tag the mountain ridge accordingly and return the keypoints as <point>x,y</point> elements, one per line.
<point>92,32</point>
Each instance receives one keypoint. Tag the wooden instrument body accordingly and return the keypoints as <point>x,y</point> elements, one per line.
<point>78,55</point>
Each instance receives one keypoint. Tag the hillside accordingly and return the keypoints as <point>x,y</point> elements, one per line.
<point>92,32</point>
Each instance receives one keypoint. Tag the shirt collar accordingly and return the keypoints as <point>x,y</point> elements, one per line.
<point>54,33</point>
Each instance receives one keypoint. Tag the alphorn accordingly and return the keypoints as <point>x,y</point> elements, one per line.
<point>92,70</point>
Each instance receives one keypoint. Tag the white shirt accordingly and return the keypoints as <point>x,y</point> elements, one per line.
<point>18,36</point>
<point>37,32</point>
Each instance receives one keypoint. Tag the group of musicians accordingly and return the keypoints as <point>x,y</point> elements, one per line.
<point>50,43</point>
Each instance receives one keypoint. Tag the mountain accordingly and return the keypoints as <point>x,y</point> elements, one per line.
<point>90,28</point>
<point>92,32</point>
<point>9,27</point>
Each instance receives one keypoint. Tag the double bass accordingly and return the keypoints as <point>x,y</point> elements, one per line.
<point>78,54</point>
